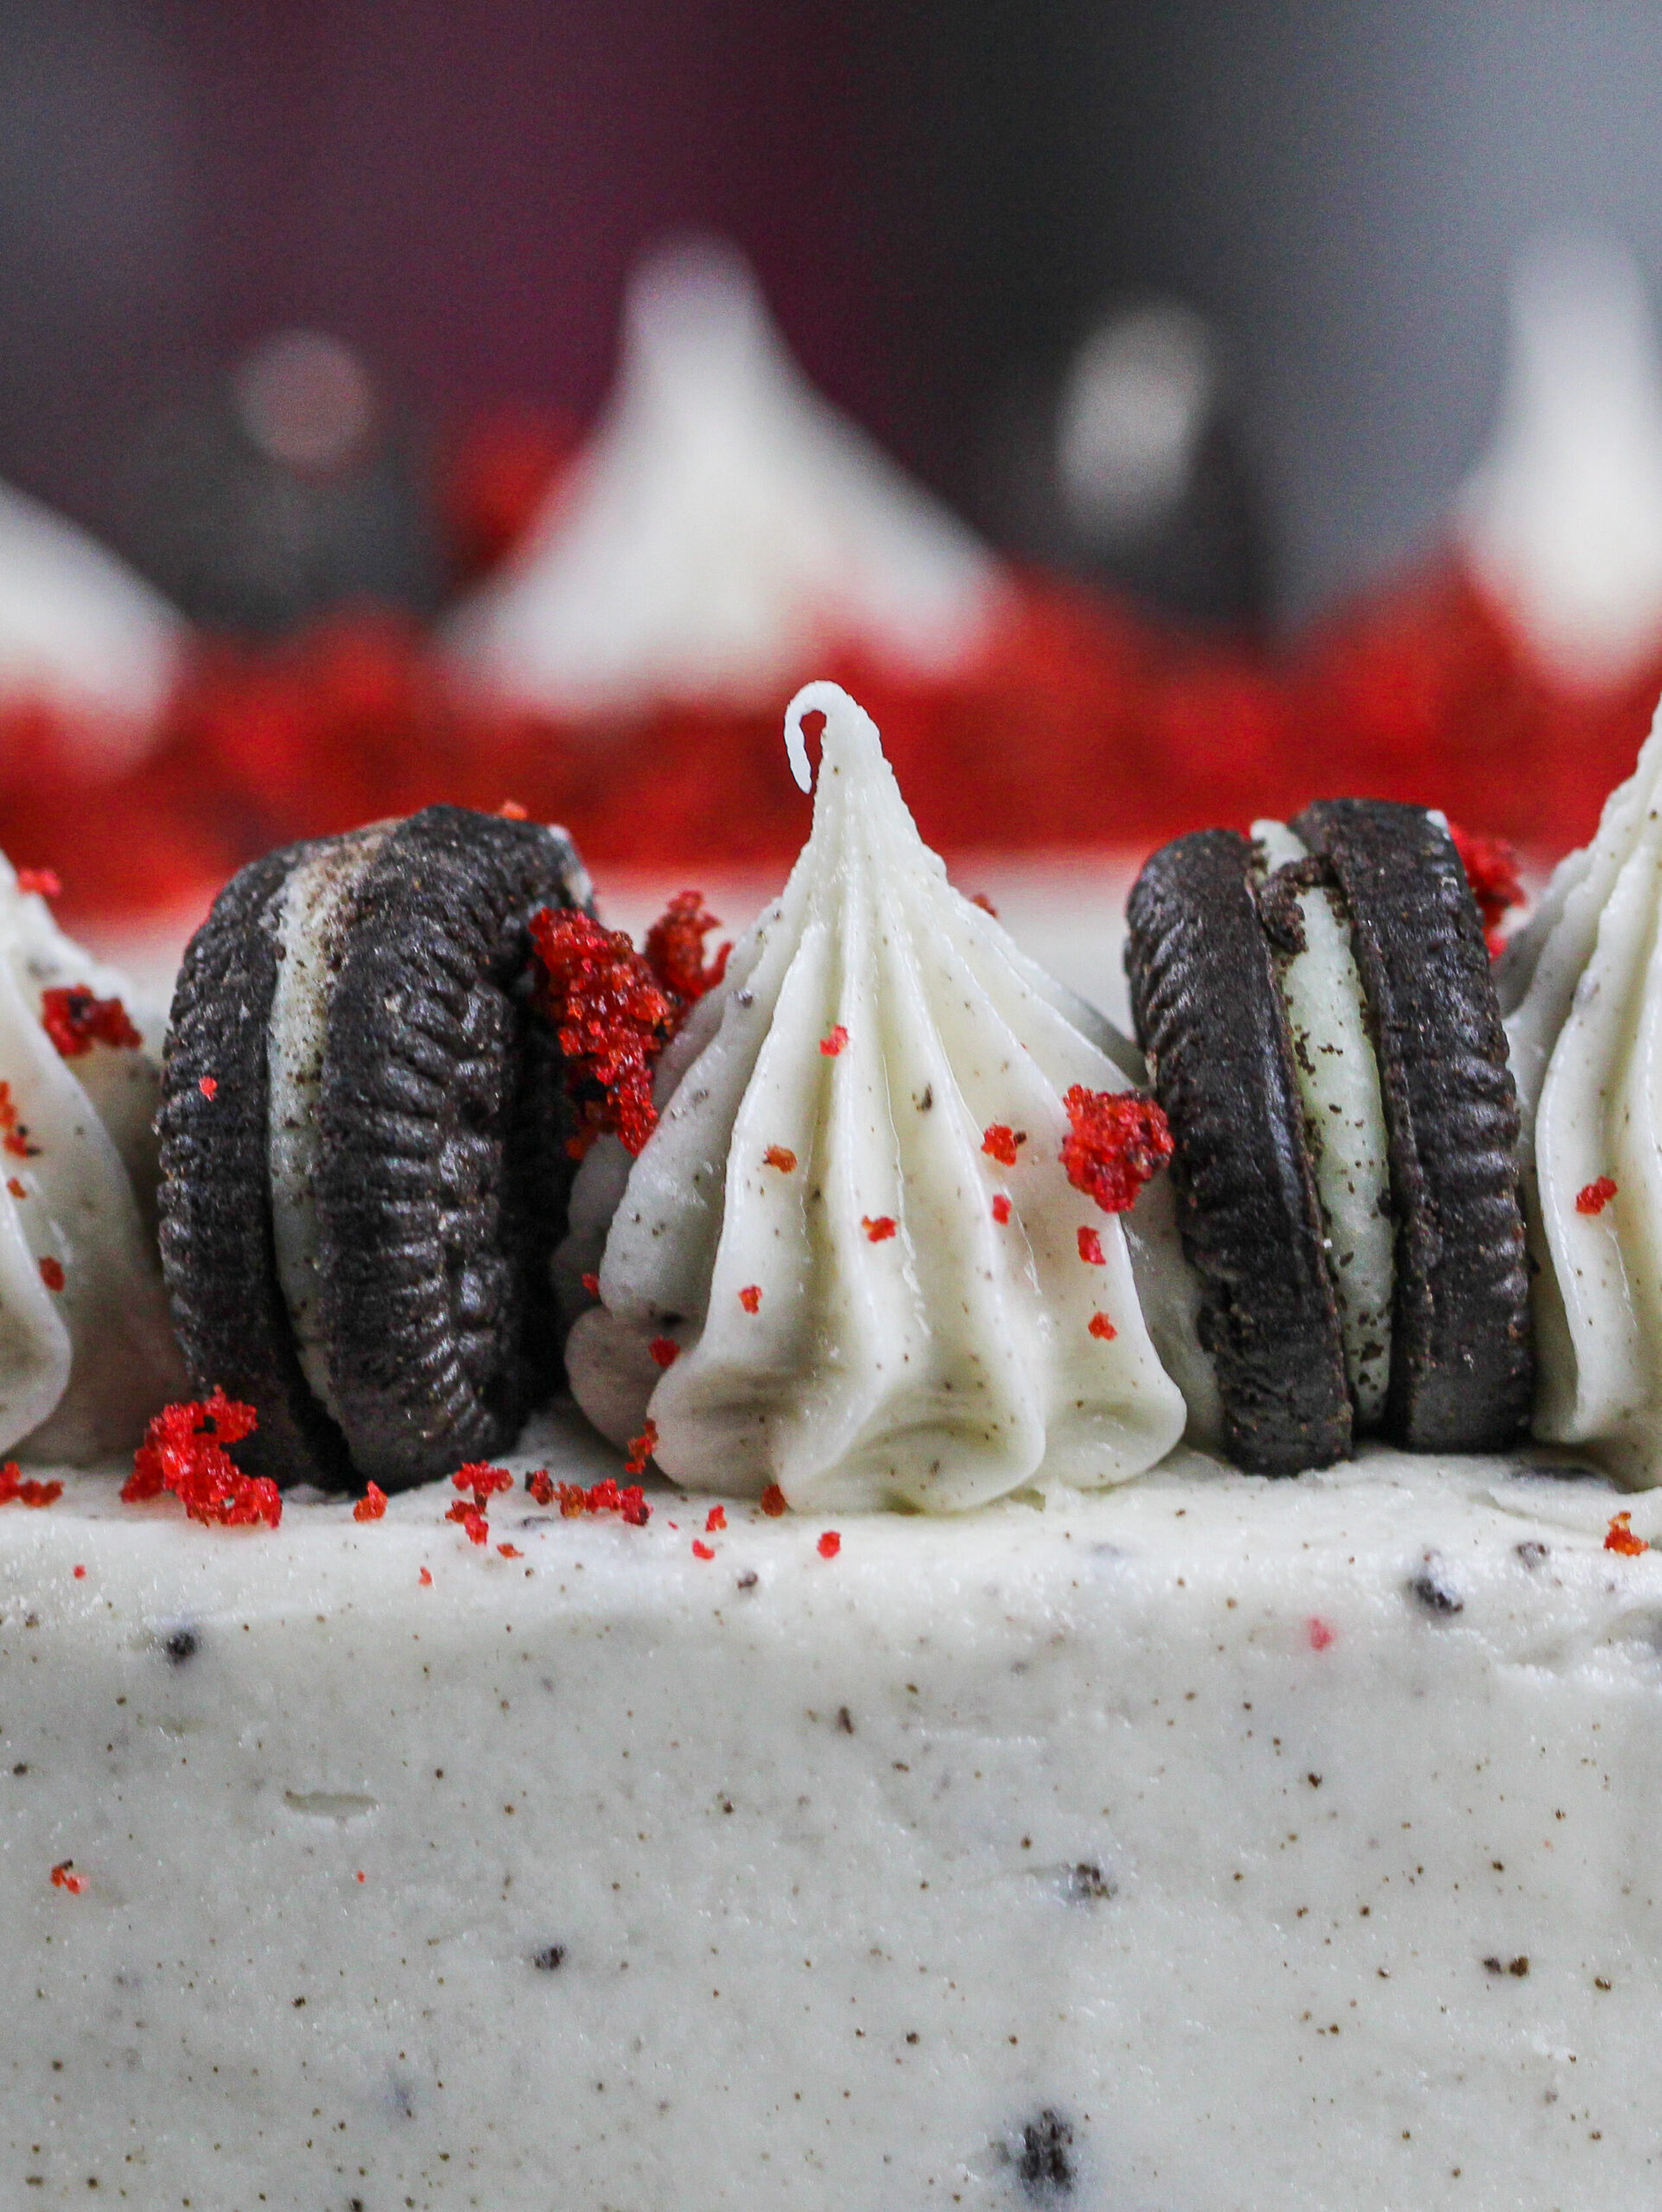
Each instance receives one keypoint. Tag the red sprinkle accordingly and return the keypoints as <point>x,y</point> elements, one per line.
<point>1491,867</point>
<point>510,1551</point>
<point>1117,1141</point>
<point>79,1574</point>
<point>878,1231</point>
<point>425,1578</point>
<point>209,1086</point>
<point>1100,1325</point>
<point>773,1502</point>
<point>75,1021</point>
<point>1620,1537</point>
<point>780,1156</point>
<point>485,1482</point>
<point>1593,1198</point>
<point>1001,1208</point>
<point>51,1272</point>
<point>64,1876</point>
<point>1320,1634</point>
<point>717,1519</point>
<point>20,1489</point>
<point>184,1452</point>
<point>1001,1143</point>
<point>470,1518</point>
<point>675,949</point>
<point>591,1284</point>
<point>627,1500</point>
<point>1091,1248</point>
<point>541,1487</point>
<point>829,1545</point>
<point>664,1350</point>
<point>612,1020</point>
<point>41,879</point>
<point>15,1187</point>
<point>642,1448</point>
<point>372,1505</point>
<point>511,811</point>
<point>750,1297</point>
<point>831,1046</point>
<point>14,1133</point>
<point>702,1550</point>
<point>362,1877</point>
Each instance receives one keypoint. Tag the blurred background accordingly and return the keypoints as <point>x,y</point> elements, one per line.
<point>1221,400</point>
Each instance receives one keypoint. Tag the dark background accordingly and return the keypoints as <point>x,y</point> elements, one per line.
<point>937,198</point>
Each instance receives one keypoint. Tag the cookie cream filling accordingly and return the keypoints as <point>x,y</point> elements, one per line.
<point>315,907</point>
<point>1583,983</point>
<point>851,1236</point>
<point>1344,1119</point>
<point>86,1352</point>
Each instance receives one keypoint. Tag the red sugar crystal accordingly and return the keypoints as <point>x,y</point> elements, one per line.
<point>372,1505</point>
<point>780,1156</point>
<point>1620,1537</point>
<point>717,1519</point>
<point>675,949</point>
<point>13,1133</point>
<point>1116,1141</point>
<point>425,1578</point>
<point>1593,1198</point>
<point>184,1452</point>
<point>664,1350</point>
<point>1002,1144</point>
<point>64,1876</point>
<point>591,1284</point>
<point>510,1551</point>
<point>51,1272</point>
<point>79,1574</point>
<point>773,1502</point>
<point>1491,867</point>
<point>209,1086</point>
<point>511,811</point>
<point>830,1544</point>
<point>41,879</point>
<point>75,1021</point>
<point>470,1518</point>
<point>626,1499</point>
<point>541,1487</point>
<point>878,1231</point>
<point>485,1482</point>
<point>1091,1248</point>
<point>1001,1208</point>
<point>21,1490</point>
<point>15,1187</point>
<point>612,1020</point>
<point>702,1550</point>
<point>832,1044</point>
<point>642,1448</point>
<point>750,1297</point>
<point>1320,1634</point>
<point>1100,1325</point>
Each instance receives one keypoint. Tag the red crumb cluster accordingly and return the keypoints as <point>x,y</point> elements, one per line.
<point>1620,1537</point>
<point>14,1133</point>
<point>21,1490</point>
<point>664,1350</point>
<point>75,1020</point>
<point>184,1452</point>
<point>52,1272</point>
<point>833,1041</point>
<point>1116,1141</point>
<point>1593,1198</point>
<point>624,1499</point>
<point>715,1518</point>
<point>612,1020</point>
<point>1002,1144</point>
<point>642,1448</point>
<point>879,1228</point>
<point>675,948</point>
<point>64,1876</point>
<point>1001,1208</point>
<point>485,1483</point>
<point>702,1550</point>
<point>1091,1249</point>
<point>750,1298</point>
<point>209,1086</point>
<point>1491,867</point>
<point>1100,1325</point>
<point>773,1502</point>
<point>372,1505</point>
<point>829,1545</point>
<point>780,1156</point>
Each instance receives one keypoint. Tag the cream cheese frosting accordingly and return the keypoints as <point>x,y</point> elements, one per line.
<point>86,1353</point>
<point>858,1301</point>
<point>1583,983</point>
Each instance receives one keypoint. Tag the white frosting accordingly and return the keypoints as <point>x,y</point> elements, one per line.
<point>77,626</point>
<point>83,1367</point>
<point>1344,1118</point>
<point>1563,520</point>
<point>316,901</point>
<point>725,527</point>
<point>949,1362</point>
<point>813,1884</point>
<point>1585,1033</point>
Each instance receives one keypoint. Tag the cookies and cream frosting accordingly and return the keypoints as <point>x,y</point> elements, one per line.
<point>1584,984</point>
<point>85,1350</point>
<point>820,1273</point>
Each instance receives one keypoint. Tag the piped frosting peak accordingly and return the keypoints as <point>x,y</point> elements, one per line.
<point>850,1261</point>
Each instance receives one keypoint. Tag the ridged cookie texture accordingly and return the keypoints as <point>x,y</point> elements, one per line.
<point>1210,1019</point>
<point>442,1170</point>
<point>1462,1368</point>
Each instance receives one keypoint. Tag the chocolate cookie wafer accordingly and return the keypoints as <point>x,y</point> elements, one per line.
<point>363,1155</point>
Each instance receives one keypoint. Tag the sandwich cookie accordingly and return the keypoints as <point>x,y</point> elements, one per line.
<point>1322,1028</point>
<point>364,1152</point>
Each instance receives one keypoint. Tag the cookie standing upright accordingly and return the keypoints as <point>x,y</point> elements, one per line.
<point>364,1147</point>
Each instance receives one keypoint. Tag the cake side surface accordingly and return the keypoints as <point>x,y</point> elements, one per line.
<point>1213,1842</point>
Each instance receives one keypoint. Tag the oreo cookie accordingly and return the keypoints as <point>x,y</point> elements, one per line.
<point>364,1146</point>
<point>1322,1032</point>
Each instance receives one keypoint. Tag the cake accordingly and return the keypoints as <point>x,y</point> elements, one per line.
<point>1163,1835</point>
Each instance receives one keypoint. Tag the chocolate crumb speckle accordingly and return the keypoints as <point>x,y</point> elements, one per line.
<point>1043,2168</point>
<point>1087,1882</point>
<point>183,1643</point>
<point>1432,1590</point>
<point>845,1719</point>
<point>549,1958</point>
<point>1531,1552</point>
